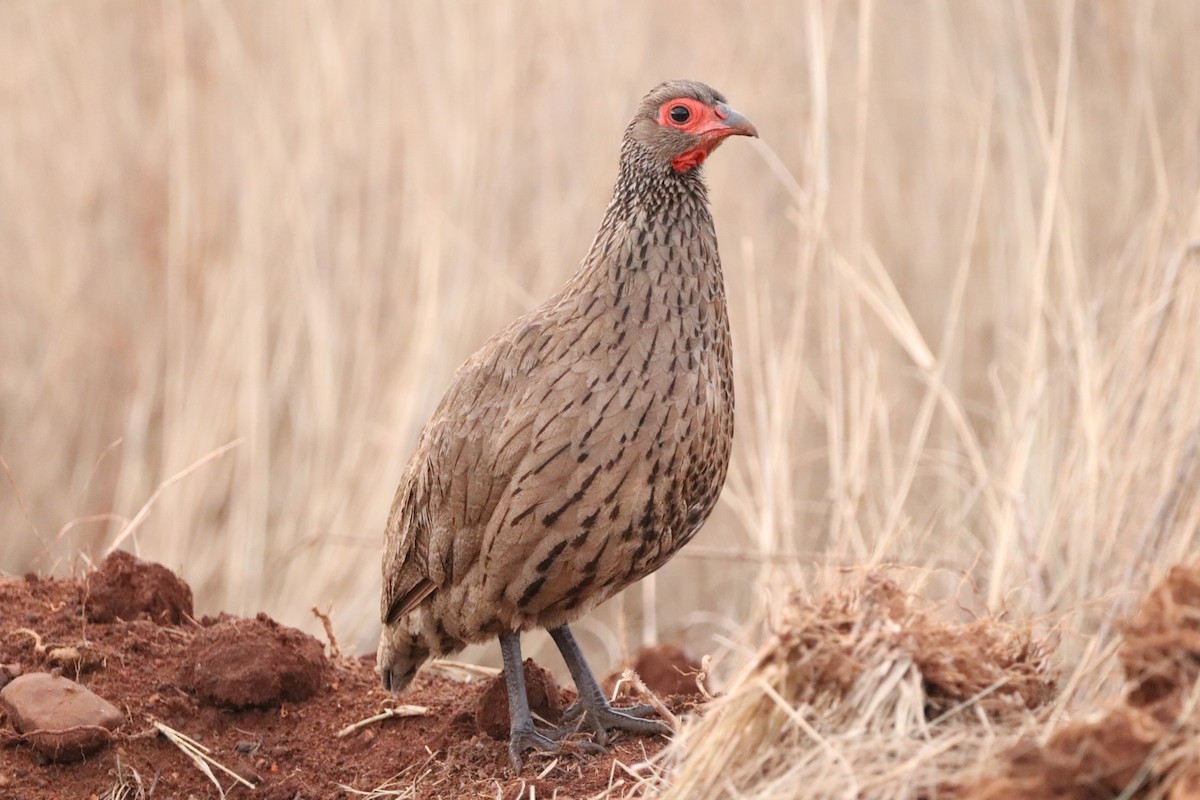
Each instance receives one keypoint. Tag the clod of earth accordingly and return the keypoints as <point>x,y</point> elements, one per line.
<point>545,700</point>
<point>125,587</point>
<point>1161,654</point>
<point>63,720</point>
<point>1144,744</point>
<point>665,669</point>
<point>253,663</point>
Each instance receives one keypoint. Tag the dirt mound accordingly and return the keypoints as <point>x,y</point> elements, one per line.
<point>127,588</point>
<point>1161,654</point>
<point>545,701</point>
<point>1143,746</point>
<point>665,669</point>
<point>310,741</point>
<point>242,663</point>
<point>830,645</point>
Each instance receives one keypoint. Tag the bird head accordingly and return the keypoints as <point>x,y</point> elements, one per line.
<point>679,123</point>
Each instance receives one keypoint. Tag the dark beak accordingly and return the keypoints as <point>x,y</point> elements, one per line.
<point>733,123</point>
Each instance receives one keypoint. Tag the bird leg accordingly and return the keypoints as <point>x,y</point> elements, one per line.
<point>592,705</point>
<point>522,735</point>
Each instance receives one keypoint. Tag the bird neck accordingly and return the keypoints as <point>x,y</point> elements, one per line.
<point>654,266</point>
<point>648,188</point>
<point>657,219</point>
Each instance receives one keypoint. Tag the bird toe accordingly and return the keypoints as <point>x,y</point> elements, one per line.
<point>604,720</point>
<point>522,740</point>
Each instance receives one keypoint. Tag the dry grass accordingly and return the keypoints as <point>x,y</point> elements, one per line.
<point>862,691</point>
<point>859,694</point>
<point>128,784</point>
<point>962,267</point>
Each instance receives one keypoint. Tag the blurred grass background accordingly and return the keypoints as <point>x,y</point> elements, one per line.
<point>960,265</point>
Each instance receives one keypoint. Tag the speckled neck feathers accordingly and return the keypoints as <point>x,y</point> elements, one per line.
<point>657,219</point>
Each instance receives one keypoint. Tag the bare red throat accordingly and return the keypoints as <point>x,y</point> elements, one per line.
<point>694,157</point>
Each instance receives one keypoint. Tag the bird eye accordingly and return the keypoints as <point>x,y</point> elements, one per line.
<point>680,114</point>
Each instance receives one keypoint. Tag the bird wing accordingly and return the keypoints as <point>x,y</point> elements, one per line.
<point>405,579</point>
<point>464,460</point>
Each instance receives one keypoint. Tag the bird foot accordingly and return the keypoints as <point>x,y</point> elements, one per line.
<point>523,739</point>
<point>602,718</point>
<point>642,711</point>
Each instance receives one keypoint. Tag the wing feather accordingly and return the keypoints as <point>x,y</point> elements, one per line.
<point>460,472</point>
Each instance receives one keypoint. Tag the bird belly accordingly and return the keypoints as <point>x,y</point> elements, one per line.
<point>636,490</point>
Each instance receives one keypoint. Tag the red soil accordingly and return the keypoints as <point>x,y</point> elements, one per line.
<point>267,702</point>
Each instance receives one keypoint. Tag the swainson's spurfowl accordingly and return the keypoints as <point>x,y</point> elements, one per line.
<point>583,444</point>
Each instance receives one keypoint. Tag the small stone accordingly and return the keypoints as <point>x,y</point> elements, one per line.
<point>247,773</point>
<point>63,720</point>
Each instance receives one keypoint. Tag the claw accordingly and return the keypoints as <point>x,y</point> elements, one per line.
<point>642,710</point>
<point>522,734</point>
<point>572,712</point>
<point>592,710</point>
<point>604,719</point>
<point>523,739</point>
<point>592,713</point>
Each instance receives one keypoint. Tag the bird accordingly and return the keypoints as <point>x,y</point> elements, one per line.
<point>582,445</point>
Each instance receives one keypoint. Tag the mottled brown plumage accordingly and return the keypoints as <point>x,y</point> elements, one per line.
<point>585,443</point>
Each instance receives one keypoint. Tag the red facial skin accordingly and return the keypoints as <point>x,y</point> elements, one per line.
<point>710,123</point>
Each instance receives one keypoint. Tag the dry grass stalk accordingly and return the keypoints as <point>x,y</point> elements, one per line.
<point>387,790</point>
<point>396,788</point>
<point>630,684</point>
<point>199,755</point>
<point>128,784</point>
<point>461,670</point>
<point>129,528</point>
<point>388,713</point>
<point>335,652</point>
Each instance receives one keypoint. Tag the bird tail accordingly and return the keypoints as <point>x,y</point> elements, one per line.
<point>401,653</point>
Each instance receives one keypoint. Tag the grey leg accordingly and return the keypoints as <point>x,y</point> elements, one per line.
<point>593,705</point>
<point>522,735</point>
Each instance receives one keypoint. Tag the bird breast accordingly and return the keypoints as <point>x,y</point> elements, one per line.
<point>622,425</point>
